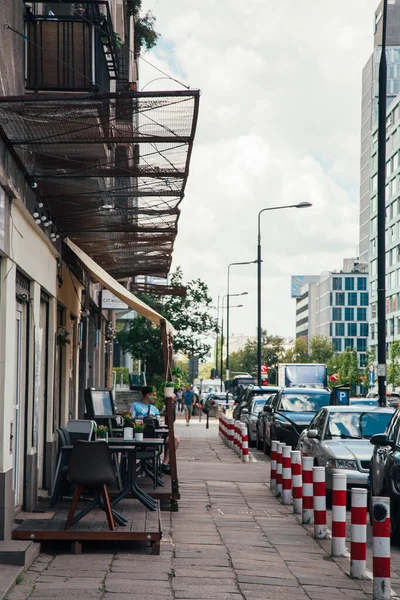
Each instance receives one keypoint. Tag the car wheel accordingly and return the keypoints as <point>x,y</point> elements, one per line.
<point>266,447</point>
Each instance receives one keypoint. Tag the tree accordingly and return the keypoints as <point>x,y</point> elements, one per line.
<point>394,367</point>
<point>321,349</point>
<point>245,360</point>
<point>299,352</point>
<point>349,371</point>
<point>189,316</point>
<point>145,33</point>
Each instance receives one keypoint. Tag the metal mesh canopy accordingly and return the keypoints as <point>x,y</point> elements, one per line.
<point>111,168</point>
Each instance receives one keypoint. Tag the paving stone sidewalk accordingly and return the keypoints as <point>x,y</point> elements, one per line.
<point>230,540</point>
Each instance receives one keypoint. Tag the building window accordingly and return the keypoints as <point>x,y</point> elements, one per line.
<point>361,345</point>
<point>331,329</point>
<point>349,343</point>
<point>352,329</point>
<point>339,299</point>
<point>349,283</point>
<point>363,360</point>
<point>348,314</point>
<point>336,314</point>
<point>364,298</point>
<point>361,314</point>
<point>337,344</point>
<point>362,284</point>
<point>339,329</point>
<point>352,299</point>
<point>372,332</point>
<point>337,283</point>
<point>364,329</point>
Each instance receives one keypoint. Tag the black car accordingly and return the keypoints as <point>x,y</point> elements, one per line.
<point>260,425</point>
<point>384,475</point>
<point>248,395</point>
<point>290,412</point>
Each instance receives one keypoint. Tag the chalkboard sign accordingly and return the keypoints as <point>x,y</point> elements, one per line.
<point>99,403</point>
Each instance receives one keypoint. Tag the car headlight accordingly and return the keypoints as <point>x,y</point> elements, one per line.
<point>335,463</point>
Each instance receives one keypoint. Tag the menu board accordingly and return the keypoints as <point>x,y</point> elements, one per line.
<point>102,403</point>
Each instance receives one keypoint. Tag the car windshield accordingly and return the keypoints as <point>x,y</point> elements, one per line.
<point>304,402</point>
<point>356,425</point>
<point>258,406</point>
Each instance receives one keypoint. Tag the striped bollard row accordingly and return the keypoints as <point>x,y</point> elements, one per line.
<point>358,546</point>
<point>274,445</point>
<point>230,433</point>
<point>245,443</point>
<point>279,470</point>
<point>297,481</point>
<point>286,476</point>
<point>339,496</point>
<point>308,504</point>
<point>319,488</point>
<point>381,548</point>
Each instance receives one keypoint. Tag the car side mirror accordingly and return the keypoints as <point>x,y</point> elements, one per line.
<point>381,439</point>
<point>312,434</point>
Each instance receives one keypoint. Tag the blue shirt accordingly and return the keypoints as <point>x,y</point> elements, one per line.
<point>188,398</point>
<point>140,409</point>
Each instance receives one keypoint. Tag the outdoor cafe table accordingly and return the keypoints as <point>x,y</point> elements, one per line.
<point>130,447</point>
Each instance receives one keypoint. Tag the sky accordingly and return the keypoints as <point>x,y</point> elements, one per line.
<point>279,123</point>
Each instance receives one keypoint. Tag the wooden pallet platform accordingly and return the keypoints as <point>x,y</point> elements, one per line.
<point>143,525</point>
<point>160,493</point>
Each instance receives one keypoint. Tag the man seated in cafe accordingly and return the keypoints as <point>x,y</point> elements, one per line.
<point>145,408</point>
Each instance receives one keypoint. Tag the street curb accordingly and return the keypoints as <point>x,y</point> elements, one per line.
<point>8,578</point>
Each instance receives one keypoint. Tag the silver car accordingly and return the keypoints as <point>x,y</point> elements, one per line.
<point>338,439</point>
<point>250,417</point>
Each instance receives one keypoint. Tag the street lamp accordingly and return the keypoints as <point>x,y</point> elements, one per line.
<point>300,205</point>
<point>249,262</point>
<point>222,325</point>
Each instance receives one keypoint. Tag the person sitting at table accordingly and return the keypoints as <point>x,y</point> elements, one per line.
<point>144,409</point>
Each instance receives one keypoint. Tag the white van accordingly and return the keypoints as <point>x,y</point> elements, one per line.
<point>210,386</point>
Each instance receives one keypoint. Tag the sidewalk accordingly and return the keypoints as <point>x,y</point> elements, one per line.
<point>230,540</point>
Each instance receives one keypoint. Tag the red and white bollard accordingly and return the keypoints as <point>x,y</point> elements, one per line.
<point>358,546</point>
<point>381,547</point>
<point>274,445</point>
<point>236,442</point>
<point>245,444</point>
<point>230,433</point>
<point>221,426</point>
<point>297,481</point>
<point>339,496</point>
<point>279,469</point>
<point>286,476</point>
<point>319,489</point>
<point>308,502</point>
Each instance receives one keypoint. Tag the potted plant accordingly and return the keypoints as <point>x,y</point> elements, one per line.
<point>102,432</point>
<point>169,389</point>
<point>139,429</point>
<point>127,417</point>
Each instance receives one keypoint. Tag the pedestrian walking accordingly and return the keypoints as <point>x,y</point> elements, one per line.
<point>188,399</point>
<point>178,394</point>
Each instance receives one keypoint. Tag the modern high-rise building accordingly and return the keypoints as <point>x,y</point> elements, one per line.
<point>369,105</point>
<point>336,306</point>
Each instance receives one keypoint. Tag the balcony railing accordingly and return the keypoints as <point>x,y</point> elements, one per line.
<point>74,50</point>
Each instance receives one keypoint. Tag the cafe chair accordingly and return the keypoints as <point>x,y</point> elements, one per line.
<point>81,429</point>
<point>91,468</point>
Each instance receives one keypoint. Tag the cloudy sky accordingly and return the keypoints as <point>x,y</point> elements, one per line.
<point>279,123</point>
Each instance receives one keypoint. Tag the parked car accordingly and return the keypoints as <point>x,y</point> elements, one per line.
<point>248,394</point>
<point>290,412</point>
<point>215,401</point>
<point>384,477</point>
<point>393,399</point>
<point>338,438</point>
<point>250,417</point>
<point>260,425</point>
<point>364,401</point>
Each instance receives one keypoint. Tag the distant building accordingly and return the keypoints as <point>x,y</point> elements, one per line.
<point>336,306</point>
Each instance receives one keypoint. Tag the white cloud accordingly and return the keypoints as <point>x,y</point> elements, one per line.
<point>279,124</point>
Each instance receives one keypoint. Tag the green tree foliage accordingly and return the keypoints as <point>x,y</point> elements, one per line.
<point>245,360</point>
<point>299,352</point>
<point>321,349</point>
<point>349,371</point>
<point>144,24</point>
<point>190,317</point>
<point>394,366</point>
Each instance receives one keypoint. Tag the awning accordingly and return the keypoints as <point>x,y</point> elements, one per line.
<point>116,288</point>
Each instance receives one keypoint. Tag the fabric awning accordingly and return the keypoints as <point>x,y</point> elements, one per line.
<point>116,288</point>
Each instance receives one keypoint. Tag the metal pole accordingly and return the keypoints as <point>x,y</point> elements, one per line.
<point>227,331</point>
<point>381,216</point>
<point>222,342</point>
<point>259,303</point>
<point>216,345</point>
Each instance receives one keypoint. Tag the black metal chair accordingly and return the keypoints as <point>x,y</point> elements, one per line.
<point>149,459</point>
<point>91,468</point>
<point>60,485</point>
